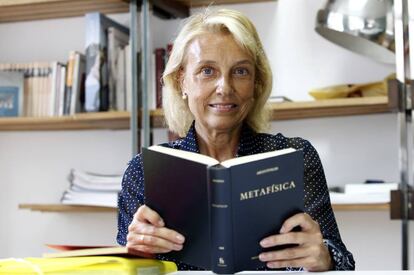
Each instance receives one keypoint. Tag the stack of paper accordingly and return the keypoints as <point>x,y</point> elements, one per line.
<point>86,265</point>
<point>363,193</point>
<point>88,188</point>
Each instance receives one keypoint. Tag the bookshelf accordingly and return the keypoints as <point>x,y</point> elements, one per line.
<point>25,10</point>
<point>66,208</point>
<point>80,208</point>
<point>120,120</point>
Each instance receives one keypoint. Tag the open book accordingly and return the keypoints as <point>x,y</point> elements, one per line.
<point>223,209</point>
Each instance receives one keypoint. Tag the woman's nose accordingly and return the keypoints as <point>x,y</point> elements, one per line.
<point>224,86</point>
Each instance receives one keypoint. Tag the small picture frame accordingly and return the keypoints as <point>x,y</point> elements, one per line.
<point>11,94</point>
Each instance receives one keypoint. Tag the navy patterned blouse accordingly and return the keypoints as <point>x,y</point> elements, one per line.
<point>317,201</point>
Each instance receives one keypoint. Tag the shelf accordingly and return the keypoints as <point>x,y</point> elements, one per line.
<point>79,208</point>
<point>83,121</point>
<point>330,108</point>
<point>361,207</point>
<point>199,3</point>
<point>24,10</point>
<point>120,120</point>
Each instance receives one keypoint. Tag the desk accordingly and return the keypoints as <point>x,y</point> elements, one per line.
<point>375,272</point>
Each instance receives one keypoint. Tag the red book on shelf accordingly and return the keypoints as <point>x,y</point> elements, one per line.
<point>159,69</point>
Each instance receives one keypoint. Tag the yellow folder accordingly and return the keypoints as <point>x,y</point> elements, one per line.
<point>86,265</point>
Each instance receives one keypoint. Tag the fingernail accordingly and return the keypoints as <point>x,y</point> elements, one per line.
<point>272,265</point>
<point>263,257</point>
<point>180,238</point>
<point>177,247</point>
<point>282,230</point>
<point>161,223</point>
<point>264,243</point>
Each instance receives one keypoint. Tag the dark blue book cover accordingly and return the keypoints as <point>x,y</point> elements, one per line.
<point>223,209</point>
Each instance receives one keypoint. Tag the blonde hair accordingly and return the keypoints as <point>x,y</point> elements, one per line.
<point>177,113</point>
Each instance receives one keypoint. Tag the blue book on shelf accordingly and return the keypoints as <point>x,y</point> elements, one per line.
<point>97,71</point>
<point>11,94</point>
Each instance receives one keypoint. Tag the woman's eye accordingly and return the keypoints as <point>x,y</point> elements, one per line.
<point>241,71</point>
<point>207,71</point>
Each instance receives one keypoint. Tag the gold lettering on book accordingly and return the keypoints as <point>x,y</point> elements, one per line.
<point>217,180</point>
<point>267,170</point>
<point>274,188</point>
<point>219,205</point>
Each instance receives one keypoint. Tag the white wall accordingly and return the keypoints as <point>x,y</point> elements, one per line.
<point>300,58</point>
<point>34,165</point>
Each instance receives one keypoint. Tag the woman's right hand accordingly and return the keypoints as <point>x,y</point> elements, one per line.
<point>147,233</point>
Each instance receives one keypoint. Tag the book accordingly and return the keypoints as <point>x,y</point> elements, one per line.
<point>64,250</point>
<point>69,83</point>
<point>76,196</point>
<point>11,94</point>
<point>159,70</point>
<point>86,265</point>
<point>364,193</point>
<point>117,40</point>
<point>87,188</point>
<point>78,84</point>
<point>223,209</point>
<point>94,181</point>
<point>54,82</point>
<point>120,85</point>
<point>97,72</point>
<point>370,188</point>
<point>61,91</point>
<point>128,80</point>
<point>349,198</point>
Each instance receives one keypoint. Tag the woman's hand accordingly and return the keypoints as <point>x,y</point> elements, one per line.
<point>148,233</point>
<point>310,252</point>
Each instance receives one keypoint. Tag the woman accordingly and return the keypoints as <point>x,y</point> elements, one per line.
<point>217,82</point>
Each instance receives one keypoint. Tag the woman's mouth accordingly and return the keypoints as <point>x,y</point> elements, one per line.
<point>223,106</point>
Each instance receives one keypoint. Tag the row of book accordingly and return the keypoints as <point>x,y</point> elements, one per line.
<point>97,80</point>
<point>42,88</point>
<point>109,68</point>
<point>87,188</point>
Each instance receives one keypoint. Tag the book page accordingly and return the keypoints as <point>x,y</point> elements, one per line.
<point>185,155</point>
<point>251,158</point>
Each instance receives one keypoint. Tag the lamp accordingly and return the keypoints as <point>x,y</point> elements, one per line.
<point>378,28</point>
<point>363,26</point>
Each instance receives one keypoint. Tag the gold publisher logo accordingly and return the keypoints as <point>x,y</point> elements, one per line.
<point>221,262</point>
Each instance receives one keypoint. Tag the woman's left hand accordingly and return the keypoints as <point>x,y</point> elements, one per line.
<point>310,253</point>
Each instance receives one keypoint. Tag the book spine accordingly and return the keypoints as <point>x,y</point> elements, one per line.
<point>69,82</point>
<point>159,69</point>
<point>221,223</point>
<point>94,41</point>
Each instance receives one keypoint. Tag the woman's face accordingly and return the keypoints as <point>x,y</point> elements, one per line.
<point>218,78</point>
